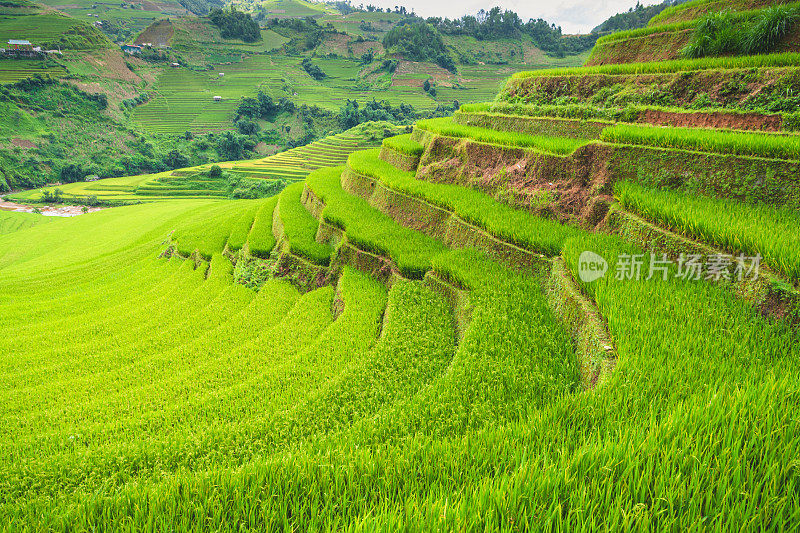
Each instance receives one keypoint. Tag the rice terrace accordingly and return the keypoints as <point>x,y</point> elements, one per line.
<point>286,265</point>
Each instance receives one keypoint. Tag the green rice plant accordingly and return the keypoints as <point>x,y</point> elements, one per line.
<point>554,145</point>
<point>371,230</point>
<point>241,228</point>
<point>786,59</point>
<point>734,226</point>
<point>11,221</point>
<point>706,140</point>
<point>200,235</point>
<point>404,145</point>
<point>269,411</point>
<point>260,239</point>
<point>299,227</point>
<point>518,227</point>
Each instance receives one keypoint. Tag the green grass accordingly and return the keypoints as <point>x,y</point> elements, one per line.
<point>260,239</point>
<point>371,230</point>
<point>523,229</point>
<point>209,238</point>
<point>734,226</point>
<point>14,70</point>
<point>300,228</point>
<point>786,59</point>
<point>707,140</point>
<point>554,145</point>
<point>156,387</point>
<point>11,221</point>
<point>404,145</point>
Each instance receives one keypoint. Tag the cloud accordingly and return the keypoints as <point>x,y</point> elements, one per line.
<point>574,16</point>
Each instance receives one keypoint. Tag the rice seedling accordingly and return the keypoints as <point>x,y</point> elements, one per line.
<point>785,59</point>
<point>260,239</point>
<point>523,229</point>
<point>734,226</point>
<point>706,140</point>
<point>299,227</point>
<point>371,230</point>
<point>542,143</point>
<point>404,145</point>
<point>11,221</point>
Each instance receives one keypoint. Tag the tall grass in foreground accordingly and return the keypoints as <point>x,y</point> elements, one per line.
<point>734,226</point>
<point>706,140</point>
<point>518,227</point>
<point>446,126</point>
<point>727,32</point>
<point>786,59</point>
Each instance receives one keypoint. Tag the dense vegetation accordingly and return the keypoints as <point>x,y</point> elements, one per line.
<point>234,24</point>
<point>725,32</point>
<point>419,41</point>
<point>636,17</point>
<point>506,24</point>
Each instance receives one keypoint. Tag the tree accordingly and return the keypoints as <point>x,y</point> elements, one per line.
<point>72,173</point>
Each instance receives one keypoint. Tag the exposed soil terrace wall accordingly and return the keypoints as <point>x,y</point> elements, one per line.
<point>579,186</point>
<point>712,119</point>
<point>398,159</point>
<point>557,127</point>
<point>662,46</point>
<point>678,89</point>
<point>560,187</point>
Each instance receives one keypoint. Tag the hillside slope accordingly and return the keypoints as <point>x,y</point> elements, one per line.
<point>566,309</point>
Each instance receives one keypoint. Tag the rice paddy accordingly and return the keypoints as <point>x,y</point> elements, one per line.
<point>200,363</point>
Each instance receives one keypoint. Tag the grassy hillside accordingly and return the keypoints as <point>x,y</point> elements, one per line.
<point>571,307</point>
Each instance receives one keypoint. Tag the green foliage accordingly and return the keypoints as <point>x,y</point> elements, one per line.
<point>313,70</point>
<point>419,41</point>
<point>719,141</point>
<point>234,24</point>
<point>555,145</point>
<point>732,225</point>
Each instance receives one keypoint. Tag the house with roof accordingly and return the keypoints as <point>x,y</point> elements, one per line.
<point>20,44</point>
<point>131,48</point>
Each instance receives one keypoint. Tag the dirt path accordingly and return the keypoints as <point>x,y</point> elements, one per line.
<point>47,210</point>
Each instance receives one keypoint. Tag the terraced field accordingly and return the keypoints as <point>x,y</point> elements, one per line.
<point>510,319</point>
<point>291,165</point>
<point>14,70</point>
<point>183,99</point>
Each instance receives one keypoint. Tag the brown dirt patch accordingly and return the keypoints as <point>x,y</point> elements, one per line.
<point>159,33</point>
<point>576,188</point>
<point>47,210</point>
<point>743,121</point>
<point>22,143</point>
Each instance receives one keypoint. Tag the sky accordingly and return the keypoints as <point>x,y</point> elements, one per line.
<point>574,16</point>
